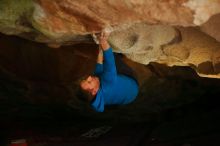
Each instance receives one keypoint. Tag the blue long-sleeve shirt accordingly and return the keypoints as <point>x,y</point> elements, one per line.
<point>115,89</point>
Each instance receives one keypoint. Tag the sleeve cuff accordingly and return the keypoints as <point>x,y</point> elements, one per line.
<point>108,51</point>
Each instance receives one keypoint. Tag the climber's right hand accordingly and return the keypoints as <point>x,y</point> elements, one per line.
<point>103,40</point>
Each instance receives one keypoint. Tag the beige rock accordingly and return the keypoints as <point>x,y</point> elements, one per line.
<point>141,42</point>
<point>142,29</point>
<point>86,16</point>
<point>211,27</point>
<point>203,9</point>
<point>63,21</point>
<point>144,44</point>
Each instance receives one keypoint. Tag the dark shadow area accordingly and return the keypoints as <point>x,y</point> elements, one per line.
<point>171,110</point>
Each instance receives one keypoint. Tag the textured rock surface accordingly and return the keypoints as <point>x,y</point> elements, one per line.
<point>211,27</point>
<point>203,9</point>
<point>141,42</point>
<point>68,21</point>
<point>144,44</point>
<point>197,50</point>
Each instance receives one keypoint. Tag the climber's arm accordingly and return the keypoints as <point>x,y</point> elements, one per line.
<point>100,57</point>
<point>109,68</point>
<point>99,63</point>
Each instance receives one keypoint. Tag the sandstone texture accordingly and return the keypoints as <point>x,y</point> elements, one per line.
<point>211,27</point>
<point>144,43</point>
<point>69,21</point>
<point>144,30</point>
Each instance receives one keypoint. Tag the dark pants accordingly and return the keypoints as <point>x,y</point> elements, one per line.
<point>123,68</point>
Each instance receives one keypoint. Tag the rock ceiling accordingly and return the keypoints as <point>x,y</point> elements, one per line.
<point>171,32</point>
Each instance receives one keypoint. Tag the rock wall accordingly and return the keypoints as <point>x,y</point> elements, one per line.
<point>211,27</point>
<point>144,30</point>
<point>171,46</point>
<point>68,21</point>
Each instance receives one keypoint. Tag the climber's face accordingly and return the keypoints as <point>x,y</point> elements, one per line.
<point>90,84</point>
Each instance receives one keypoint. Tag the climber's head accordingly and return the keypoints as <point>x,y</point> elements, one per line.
<point>89,87</point>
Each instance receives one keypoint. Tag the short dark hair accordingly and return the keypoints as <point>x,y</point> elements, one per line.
<point>82,94</point>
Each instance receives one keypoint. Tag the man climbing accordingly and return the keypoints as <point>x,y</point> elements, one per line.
<point>113,82</point>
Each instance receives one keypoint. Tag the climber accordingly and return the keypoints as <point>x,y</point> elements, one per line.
<point>113,82</point>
